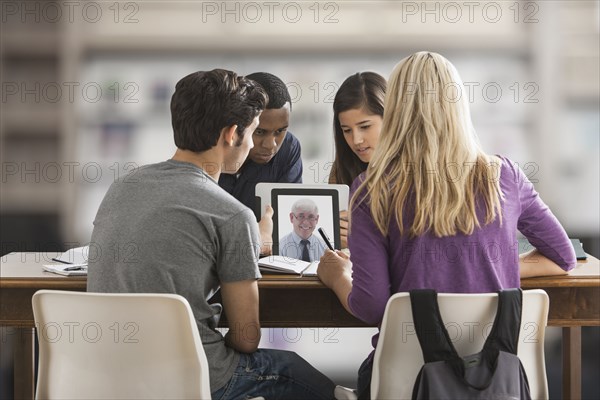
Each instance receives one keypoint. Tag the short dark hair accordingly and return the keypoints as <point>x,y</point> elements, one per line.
<point>274,87</point>
<point>361,90</point>
<point>205,102</point>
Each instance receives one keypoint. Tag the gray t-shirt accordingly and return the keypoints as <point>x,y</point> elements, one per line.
<point>170,228</point>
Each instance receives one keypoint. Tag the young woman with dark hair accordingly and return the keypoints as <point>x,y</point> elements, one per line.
<point>357,117</point>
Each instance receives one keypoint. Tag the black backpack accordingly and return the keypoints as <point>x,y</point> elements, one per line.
<point>494,373</point>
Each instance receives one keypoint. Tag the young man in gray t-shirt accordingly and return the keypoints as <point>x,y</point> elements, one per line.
<point>170,228</point>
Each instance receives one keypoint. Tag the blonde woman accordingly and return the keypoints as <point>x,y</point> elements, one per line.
<point>433,210</point>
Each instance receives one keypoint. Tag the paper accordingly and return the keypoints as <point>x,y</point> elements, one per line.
<point>66,269</point>
<point>591,269</point>
<point>311,270</point>
<point>287,265</point>
<point>77,255</point>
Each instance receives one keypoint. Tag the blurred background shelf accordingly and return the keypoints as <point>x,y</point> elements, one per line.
<point>25,43</point>
<point>41,198</point>
<point>95,86</point>
<point>31,120</point>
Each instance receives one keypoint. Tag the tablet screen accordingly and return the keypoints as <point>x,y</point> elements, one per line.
<point>298,213</point>
<point>263,194</point>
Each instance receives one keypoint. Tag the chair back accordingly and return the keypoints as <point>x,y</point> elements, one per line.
<point>125,346</point>
<point>468,318</point>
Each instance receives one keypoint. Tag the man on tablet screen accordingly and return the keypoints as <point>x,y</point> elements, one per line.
<point>301,243</point>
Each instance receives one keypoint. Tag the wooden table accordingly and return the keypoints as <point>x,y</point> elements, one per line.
<point>574,302</point>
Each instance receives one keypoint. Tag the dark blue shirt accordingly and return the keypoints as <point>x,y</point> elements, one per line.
<point>285,167</point>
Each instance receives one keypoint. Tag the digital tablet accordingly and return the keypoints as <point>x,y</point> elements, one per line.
<point>263,194</point>
<point>298,213</point>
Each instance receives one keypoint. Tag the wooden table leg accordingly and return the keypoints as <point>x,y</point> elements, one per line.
<point>24,363</point>
<point>571,368</point>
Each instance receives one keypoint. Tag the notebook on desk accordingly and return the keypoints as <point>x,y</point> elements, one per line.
<point>77,255</point>
<point>73,262</point>
<point>66,269</point>
<point>287,265</point>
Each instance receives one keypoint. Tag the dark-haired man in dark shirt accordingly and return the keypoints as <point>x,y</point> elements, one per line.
<point>275,156</point>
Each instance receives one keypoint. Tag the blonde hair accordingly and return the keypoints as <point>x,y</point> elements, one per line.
<point>428,154</point>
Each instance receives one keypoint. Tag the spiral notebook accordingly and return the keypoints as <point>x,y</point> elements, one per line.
<point>287,265</point>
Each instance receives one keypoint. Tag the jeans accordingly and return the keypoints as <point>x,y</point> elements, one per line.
<point>275,374</point>
<point>363,386</point>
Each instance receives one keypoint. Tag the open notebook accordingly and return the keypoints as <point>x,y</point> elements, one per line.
<point>77,255</point>
<point>72,262</point>
<point>66,269</point>
<point>287,265</point>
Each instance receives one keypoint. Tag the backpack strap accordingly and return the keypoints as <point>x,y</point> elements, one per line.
<point>504,335</point>
<point>433,336</point>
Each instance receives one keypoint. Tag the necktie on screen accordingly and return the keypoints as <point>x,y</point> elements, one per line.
<point>305,255</point>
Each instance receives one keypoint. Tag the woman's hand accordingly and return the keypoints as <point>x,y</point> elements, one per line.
<point>265,228</point>
<point>333,266</point>
<point>344,228</point>
<point>335,271</point>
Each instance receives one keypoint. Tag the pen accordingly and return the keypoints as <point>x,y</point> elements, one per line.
<point>73,268</point>
<point>60,261</point>
<point>326,239</point>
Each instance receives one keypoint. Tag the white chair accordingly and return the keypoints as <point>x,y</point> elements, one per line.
<point>125,346</point>
<point>468,319</point>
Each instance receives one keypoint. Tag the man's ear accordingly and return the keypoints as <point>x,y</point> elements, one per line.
<point>292,217</point>
<point>228,133</point>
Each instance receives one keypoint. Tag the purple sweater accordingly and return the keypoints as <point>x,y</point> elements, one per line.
<point>485,261</point>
